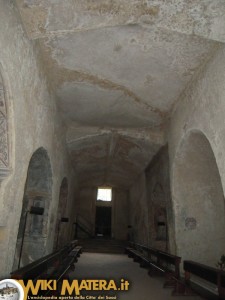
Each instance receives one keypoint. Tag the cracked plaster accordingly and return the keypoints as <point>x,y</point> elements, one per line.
<point>118,67</point>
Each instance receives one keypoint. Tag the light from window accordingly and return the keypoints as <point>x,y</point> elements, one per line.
<point>104,194</point>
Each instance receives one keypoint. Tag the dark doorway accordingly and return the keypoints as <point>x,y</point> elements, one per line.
<point>103,221</point>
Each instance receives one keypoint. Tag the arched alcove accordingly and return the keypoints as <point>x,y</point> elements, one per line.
<point>160,220</point>
<point>5,161</point>
<point>60,233</point>
<point>5,140</point>
<point>37,193</point>
<point>198,201</point>
<point>159,214</point>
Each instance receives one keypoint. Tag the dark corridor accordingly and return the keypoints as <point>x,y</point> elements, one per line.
<point>103,221</point>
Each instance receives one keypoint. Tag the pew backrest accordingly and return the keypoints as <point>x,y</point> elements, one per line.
<point>210,274</point>
<point>41,266</point>
<point>161,258</point>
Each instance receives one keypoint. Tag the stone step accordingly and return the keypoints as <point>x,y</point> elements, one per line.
<point>97,245</point>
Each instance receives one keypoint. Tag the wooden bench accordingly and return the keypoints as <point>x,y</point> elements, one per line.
<point>207,274</point>
<point>51,265</point>
<point>67,263</point>
<point>136,252</point>
<point>158,262</point>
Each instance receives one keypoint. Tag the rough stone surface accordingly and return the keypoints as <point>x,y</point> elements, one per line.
<point>4,132</point>
<point>101,87</point>
<point>138,211</point>
<point>200,17</point>
<point>150,208</point>
<point>128,81</point>
<point>120,215</point>
<point>37,193</point>
<point>110,158</point>
<point>159,201</point>
<point>196,143</point>
<point>33,122</point>
<point>61,228</point>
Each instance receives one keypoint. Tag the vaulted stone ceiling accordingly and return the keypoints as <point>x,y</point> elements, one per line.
<point>117,68</point>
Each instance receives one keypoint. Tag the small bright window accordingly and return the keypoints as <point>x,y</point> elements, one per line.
<point>104,194</point>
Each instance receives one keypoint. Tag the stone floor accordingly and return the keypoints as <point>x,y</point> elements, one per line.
<point>117,267</point>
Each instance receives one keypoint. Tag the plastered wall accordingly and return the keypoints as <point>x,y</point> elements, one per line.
<point>120,211</point>
<point>150,204</point>
<point>159,200</point>
<point>138,210</point>
<point>200,112</point>
<point>33,122</point>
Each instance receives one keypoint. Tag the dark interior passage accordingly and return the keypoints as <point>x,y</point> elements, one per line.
<point>103,221</point>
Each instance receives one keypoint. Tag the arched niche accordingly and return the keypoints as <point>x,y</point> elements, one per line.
<point>60,229</point>
<point>159,213</point>
<point>37,193</point>
<point>158,194</point>
<point>5,140</point>
<point>160,220</point>
<point>198,201</point>
<point>5,161</point>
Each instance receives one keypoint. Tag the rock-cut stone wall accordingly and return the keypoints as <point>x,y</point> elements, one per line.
<point>28,120</point>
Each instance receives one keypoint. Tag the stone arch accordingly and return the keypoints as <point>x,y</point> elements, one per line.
<point>5,153</point>
<point>198,201</point>
<point>60,227</point>
<point>38,193</point>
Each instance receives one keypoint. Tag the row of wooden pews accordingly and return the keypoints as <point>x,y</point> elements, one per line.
<point>54,266</point>
<point>157,262</point>
<point>196,276</point>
